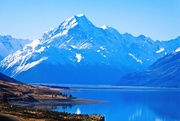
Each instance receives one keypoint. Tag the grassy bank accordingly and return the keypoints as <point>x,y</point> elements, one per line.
<point>13,94</point>
<point>32,114</point>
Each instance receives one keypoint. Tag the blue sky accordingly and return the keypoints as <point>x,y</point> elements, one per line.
<point>158,19</point>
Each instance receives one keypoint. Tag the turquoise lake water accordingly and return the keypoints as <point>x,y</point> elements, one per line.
<point>130,104</point>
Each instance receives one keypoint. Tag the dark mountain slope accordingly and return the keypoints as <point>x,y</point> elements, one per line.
<point>165,72</point>
<point>7,78</point>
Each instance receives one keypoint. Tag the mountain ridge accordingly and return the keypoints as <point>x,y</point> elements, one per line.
<point>7,79</point>
<point>77,45</point>
<point>163,73</point>
<point>10,45</point>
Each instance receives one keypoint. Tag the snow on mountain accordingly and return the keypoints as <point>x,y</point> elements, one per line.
<point>160,50</point>
<point>104,27</point>
<point>79,52</point>
<point>177,50</point>
<point>138,60</point>
<point>79,57</point>
<point>20,59</point>
<point>9,45</point>
<point>163,73</point>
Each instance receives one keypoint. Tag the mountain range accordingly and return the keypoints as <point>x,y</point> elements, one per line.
<point>10,45</point>
<point>163,73</point>
<point>79,52</point>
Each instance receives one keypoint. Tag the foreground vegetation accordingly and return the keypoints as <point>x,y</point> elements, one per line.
<point>13,94</point>
<point>31,114</point>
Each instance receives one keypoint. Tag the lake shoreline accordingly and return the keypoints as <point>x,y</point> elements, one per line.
<point>134,104</point>
<point>21,101</point>
<point>76,87</point>
<point>17,113</point>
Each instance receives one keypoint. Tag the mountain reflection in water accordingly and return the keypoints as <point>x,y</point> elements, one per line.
<point>131,104</point>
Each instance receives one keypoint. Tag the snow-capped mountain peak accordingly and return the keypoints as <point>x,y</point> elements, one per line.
<point>80,15</point>
<point>104,27</point>
<point>79,21</point>
<point>79,52</point>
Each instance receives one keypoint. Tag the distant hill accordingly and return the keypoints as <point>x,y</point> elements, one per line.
<point>165,72</point>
